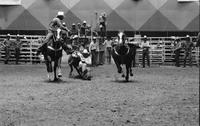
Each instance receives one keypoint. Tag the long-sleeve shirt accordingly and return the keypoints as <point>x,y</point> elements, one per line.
<point>108,43</point>
<point>145,45</point>
<point>93,46</point>
<point>188,46</point>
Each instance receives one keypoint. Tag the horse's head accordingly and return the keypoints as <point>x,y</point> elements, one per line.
<point>58,34</point>
<point>121,38</point>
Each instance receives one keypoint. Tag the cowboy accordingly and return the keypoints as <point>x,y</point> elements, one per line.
<point>177,50</point>
<point>7,43</point>
<point>83,28</point>
<point>17,48</point>
<point>108,43</point>
<point>53,26</point>
<point>188,46</point>
<point>102,24</point>
<point>93,51</point>
<point>74,30</point>
<point>101,51</point>
<point>145,51</point>
<point>79,29</point>
<point>85,60</point>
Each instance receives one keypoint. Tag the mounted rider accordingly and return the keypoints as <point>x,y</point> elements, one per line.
<point>53,26</point>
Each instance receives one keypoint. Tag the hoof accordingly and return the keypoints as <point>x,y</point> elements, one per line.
<point>71,75</point>
<point>123,75</point>
<point>59,75</point>
<point>50,76</point>
<point>55,79</point>
<point>120,70</point>
<point>131,74</point>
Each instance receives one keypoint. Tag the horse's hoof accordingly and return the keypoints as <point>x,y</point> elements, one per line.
<point>131,74</point>
<point>123,75</point>
<point>55,79</point>
<point>70,75</point>
<point>59,75</point>
<point>50,76</point>
<point>120,71</point>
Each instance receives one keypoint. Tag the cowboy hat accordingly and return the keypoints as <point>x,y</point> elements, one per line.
<point>85,51</point>
<point>60,13</point>
<point>75,37</point>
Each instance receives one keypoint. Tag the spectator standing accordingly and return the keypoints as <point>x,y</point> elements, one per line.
<point>101,51</point>
<point>73,30</point>
<point>17,49</point>
<point>177,50</point>
<point>188,46</point>
<point>145,51</point>
<point>7,43</point>
<point>108,44</point>
<point>93,51</point>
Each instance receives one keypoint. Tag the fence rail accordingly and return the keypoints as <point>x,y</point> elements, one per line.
<point>160,52</point>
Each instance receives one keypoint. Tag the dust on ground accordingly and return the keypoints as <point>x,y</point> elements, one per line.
<point>157,96</point>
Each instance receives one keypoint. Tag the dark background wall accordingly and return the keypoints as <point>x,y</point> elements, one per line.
<point>151,17</point>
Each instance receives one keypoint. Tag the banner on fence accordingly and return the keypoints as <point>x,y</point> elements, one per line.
<point>10,2</point>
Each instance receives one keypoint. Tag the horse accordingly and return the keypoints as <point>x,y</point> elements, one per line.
<point>53,53</point>
<point>123,54</point>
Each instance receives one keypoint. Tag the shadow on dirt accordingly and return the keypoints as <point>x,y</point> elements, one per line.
<point>80,78</point>
<point>59,81</point>
<point>124,81</point>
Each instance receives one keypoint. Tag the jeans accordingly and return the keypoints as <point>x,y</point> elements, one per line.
<point>145,54</point>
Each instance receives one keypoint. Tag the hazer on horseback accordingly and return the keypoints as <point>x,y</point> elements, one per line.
<point>122,54</point>
<point>55,24</point>
<point>53,46</point>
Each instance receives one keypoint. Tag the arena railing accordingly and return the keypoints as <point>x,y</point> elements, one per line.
<point>160,52</point>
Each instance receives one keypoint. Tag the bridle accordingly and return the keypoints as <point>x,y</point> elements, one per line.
<point>121,40</point>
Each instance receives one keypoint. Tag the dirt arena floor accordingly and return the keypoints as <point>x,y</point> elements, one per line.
<point>157,96</point>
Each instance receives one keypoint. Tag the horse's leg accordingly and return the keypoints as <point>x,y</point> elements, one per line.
<point>55,70</point>
<point>78,71</point>
<point>131,72</point>
<point>71,70</point>
<point>49,69</point>
<point>119,68</point>
<point>59,67</point>
<point>123,75</point>
<point>127,72</point>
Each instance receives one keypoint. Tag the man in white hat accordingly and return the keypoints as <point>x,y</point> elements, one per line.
<point>145,51</point>
<point>73,30</point>
<point>188,46</point>
<point>53,26</point>
<point>93,51</point>
<point>83,29</point>
<point>85,60</point>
